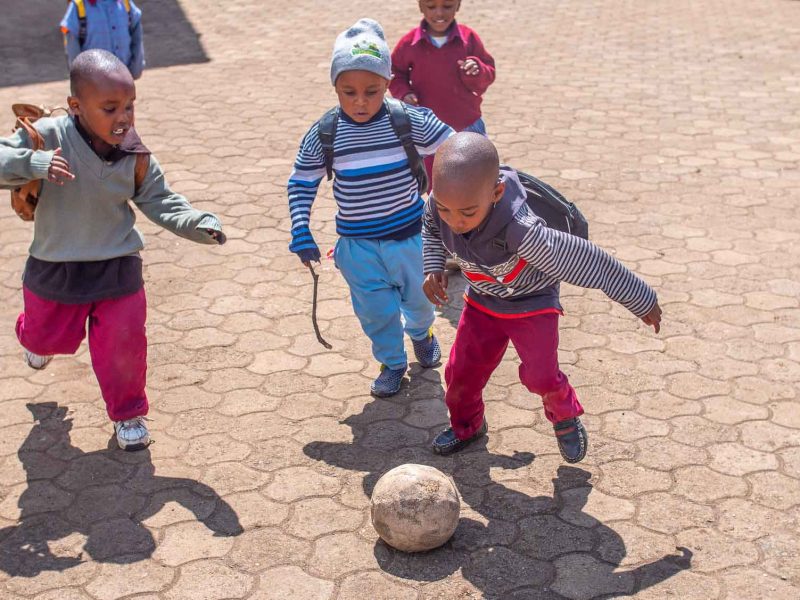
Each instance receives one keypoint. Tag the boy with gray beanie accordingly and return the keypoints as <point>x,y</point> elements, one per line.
<point>379,217</point>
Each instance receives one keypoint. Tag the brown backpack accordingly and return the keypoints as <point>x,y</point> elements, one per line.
<point>25,198</point>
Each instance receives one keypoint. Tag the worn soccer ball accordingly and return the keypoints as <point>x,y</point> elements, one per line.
<point>415,508</point>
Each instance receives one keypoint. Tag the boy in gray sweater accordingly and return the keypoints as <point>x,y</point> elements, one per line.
<point>84,263</point>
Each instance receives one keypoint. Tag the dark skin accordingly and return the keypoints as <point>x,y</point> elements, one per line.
<point>464,204</point>
<point>439,15</point>
<point>361,94</point>
<point>105,106</point>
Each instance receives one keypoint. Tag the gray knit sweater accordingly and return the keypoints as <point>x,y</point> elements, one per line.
<point>90,218</point>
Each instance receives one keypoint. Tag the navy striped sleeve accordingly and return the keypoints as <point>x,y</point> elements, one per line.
<point>579,262</point>
<point>434,255</point>
<point>427,131</point>
<point>309,167</point>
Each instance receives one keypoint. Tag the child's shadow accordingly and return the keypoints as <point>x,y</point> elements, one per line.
<point>508,544</point>
<point>103,496</point>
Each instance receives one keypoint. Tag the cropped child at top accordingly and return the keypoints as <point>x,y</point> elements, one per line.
<point>112,25</point>
<point>84,264</point>
<point>379,217</point>
<point>443,65</point>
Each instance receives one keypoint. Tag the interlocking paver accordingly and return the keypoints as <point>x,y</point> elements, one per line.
<point>673,125</point>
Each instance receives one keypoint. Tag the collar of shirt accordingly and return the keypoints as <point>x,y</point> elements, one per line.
<point>421,33</point>
<point>131,144</point>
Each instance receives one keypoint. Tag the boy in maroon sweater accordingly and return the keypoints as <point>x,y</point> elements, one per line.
<point>443,65</point>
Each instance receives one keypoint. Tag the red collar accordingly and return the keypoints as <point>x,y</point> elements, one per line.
<point>421,33</point>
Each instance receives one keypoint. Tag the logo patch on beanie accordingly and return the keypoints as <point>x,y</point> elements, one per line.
<point>364,47</point>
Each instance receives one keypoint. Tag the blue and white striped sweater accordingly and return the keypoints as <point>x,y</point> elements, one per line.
<point>375,191</point>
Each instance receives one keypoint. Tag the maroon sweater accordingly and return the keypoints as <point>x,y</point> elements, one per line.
<point>434,76</point>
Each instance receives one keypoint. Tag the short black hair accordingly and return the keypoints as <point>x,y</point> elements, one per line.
<point>92,65</point>
<point>468,158</point>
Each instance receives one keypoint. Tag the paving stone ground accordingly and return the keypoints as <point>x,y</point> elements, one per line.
<point>675,126</point>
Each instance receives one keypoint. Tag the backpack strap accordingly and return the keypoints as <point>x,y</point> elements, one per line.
<point>81,8</point>
<point>326,130</point>
<point>402,128</point>
<point>127,4</point>
<point>140,171</point>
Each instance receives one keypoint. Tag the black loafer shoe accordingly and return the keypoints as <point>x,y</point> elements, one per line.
<point>447,443</point>
<point>572,439</point>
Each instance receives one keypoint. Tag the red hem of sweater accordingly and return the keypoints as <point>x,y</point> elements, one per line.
<point>533,313</point>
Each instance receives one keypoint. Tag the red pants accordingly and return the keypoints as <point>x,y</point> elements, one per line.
<point>117,343</point>
<point>481,342</point>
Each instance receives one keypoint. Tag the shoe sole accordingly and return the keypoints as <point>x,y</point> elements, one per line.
<point>424,365</point>
<point>454,449</point>
<point>42,368</point>
<point>384,394</point>
<point>134,447</point>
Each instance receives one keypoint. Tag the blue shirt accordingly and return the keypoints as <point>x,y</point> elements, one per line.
<point>108,27</point>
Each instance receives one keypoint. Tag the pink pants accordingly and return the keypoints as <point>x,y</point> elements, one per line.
<point>117,343</point>
<point>481,342</point>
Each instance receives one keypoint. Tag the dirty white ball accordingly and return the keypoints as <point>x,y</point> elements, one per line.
<point>415,508</point>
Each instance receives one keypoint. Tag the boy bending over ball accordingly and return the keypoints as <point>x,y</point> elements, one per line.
<point>513,263</point>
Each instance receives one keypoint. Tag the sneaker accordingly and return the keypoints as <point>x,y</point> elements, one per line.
<point>447,443</point>
<point>35,361</point>
<point>427,351</point>
<point>573,442</point>
<point>388,382</point>
<point>132,434</point>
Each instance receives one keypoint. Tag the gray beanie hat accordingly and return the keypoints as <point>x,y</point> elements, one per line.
<point>362,47</point>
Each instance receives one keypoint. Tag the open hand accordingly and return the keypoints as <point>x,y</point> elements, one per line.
<point>59,172</point>
<point>411,98</point>
<point>469,66</point>
<point>435,288</point>
<point>653,318</point>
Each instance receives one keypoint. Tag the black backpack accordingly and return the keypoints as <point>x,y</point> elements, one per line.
<point>547,203</point>
<point>402,128</point>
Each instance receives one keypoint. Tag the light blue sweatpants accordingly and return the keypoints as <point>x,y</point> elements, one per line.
<point>385,279</point>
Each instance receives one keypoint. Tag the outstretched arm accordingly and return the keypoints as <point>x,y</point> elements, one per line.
<point>577,261</point>
<point>173,212</point>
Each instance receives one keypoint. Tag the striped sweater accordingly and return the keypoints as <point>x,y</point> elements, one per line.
<point>375,192</point>
<point>513,262</point>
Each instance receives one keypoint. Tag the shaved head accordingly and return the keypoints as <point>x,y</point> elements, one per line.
<point>97,67</point>
<point>466,160</point>
<point>466,180</point>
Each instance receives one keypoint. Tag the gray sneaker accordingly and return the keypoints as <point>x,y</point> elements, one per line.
<point>35,361</point>
<point>132,434</point>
